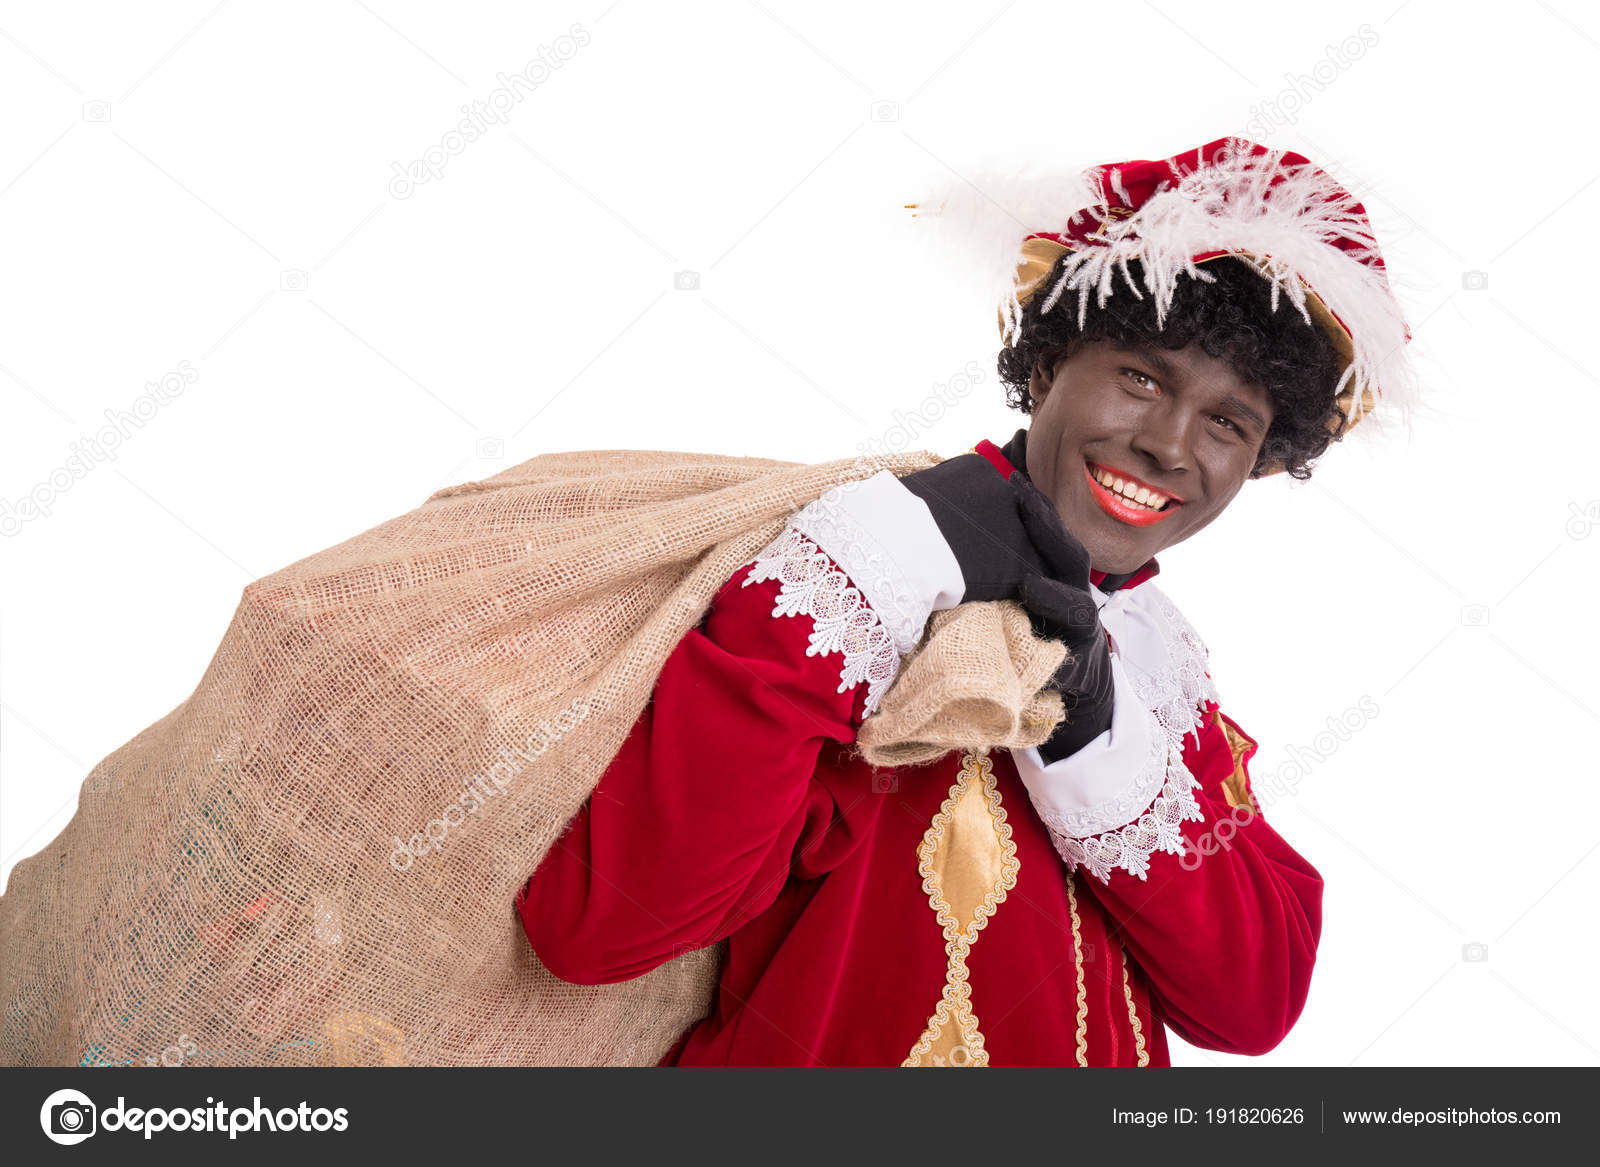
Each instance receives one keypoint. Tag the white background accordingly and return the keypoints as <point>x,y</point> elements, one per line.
<point>210,183</point>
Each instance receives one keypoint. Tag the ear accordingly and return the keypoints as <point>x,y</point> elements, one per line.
<point>1040,381</point>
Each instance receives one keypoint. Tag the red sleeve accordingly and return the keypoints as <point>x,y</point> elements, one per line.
<point>1227,932</point>
<point>691,830</point>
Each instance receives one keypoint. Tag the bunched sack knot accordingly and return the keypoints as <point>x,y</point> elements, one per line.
<point>975,682</point>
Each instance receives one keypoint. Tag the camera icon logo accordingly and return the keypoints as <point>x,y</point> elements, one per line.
<point>293,280</point>
<point>1474,615</point>
<point>490,449</point>
<point>885,783</point>
<point>1475,952</point>
<point>1474,281</point>
<point>68,1117</point>
<point>686,281</point>
<point>1584,519</point>
<point>886,111</point>
<point>98,110</point>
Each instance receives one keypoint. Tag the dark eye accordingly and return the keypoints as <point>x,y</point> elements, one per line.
<point>1227,421</point>
<point>1150,381</point>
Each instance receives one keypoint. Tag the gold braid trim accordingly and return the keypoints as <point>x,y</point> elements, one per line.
<point>1083,990</point>
<point>968,859</point>
<point>1133,1014</point>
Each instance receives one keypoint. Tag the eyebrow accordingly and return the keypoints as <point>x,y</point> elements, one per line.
<point>1168,371</point>
<point>1238,406</point>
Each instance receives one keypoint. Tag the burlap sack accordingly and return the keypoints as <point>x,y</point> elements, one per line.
<point>314,859</point>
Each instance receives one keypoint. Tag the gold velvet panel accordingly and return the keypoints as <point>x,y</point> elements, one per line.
<point>968,862</point>
<point>1236,786</point>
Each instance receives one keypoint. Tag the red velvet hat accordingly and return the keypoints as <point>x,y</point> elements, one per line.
<point>1290,221</point>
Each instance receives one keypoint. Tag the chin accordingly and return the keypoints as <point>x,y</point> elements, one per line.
<point>1115,560</point>
<point>1132,567</point>
<point>1130,552</point>
<point>1111,564</point>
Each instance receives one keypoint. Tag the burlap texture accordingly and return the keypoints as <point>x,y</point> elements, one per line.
<point>285,869</point>
<point>976,681</point>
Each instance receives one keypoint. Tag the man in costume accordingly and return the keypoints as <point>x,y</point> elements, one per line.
<point>1186,325</point>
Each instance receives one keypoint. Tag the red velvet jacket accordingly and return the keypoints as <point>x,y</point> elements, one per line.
<point>923,915</point>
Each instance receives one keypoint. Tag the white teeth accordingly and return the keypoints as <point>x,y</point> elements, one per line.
<point>1141,495</point>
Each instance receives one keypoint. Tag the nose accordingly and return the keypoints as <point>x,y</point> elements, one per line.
<point>1164,436</point>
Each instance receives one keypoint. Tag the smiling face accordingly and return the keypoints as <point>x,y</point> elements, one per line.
<point>1179,422</point>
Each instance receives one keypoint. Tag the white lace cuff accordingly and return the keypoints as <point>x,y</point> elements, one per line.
<point>885,539</point>
<point>1120,799</point>
<point>1130,847</point>
<point>878,536</point>
<point>1111,779</point>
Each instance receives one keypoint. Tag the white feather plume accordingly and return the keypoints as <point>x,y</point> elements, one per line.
<point>976,220</point>
<point>1225,205</point>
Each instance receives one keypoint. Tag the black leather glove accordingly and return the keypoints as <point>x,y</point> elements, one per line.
<point>1061,607</point>
<point>977,512</point>
<point>1012,545</point>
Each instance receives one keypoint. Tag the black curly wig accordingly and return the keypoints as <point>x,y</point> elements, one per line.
<point>1231,318</point>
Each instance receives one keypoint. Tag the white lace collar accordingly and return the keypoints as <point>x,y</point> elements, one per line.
<point>1164,655</point>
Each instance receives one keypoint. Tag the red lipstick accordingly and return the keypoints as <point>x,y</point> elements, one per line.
<point>1124,511</point>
